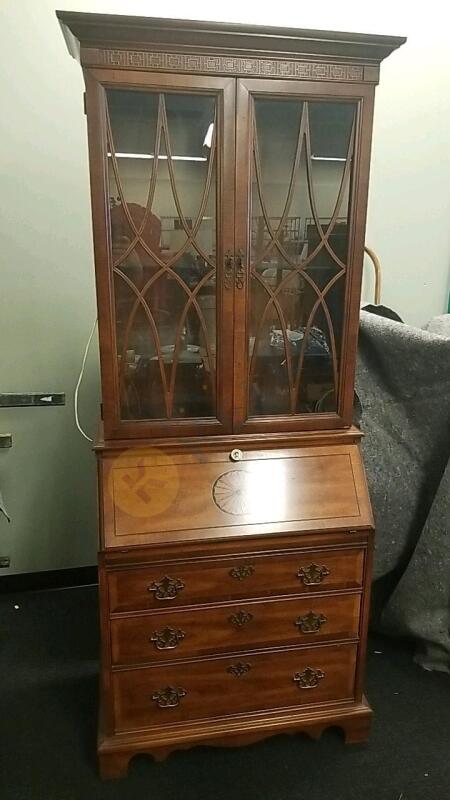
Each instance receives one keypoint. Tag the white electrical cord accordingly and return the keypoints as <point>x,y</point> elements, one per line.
<point>80,378</point>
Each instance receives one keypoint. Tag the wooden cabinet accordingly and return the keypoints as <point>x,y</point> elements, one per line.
<point>229,173</point>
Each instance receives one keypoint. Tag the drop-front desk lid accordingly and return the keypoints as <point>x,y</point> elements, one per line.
<point>151,495</point>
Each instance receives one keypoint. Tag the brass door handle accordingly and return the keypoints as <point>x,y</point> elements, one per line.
<point>228,269</point>
<point>239,278</point>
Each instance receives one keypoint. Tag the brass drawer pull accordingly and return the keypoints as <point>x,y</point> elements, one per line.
<point>239,669</point>
<point>313,574</point>
<point>169,697</point>
<point>309,678</point>
<point>167,638</point>
<point>167,589</point>
<point>242,572</point>
<point>240,619</point>
<point>310,622</point>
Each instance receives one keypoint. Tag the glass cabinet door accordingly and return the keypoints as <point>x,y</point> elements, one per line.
<point>166,241</point>
<point>301,153</point>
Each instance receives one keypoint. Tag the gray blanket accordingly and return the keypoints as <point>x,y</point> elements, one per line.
<point>403,384</point>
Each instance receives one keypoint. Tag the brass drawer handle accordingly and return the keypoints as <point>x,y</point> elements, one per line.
<point>309,678</point>
<point>167,589</point>
<point>167,638</point>
<point>242,572</point>
<point>310,622</point>
<point>169,697</point>
<point>239,669</point>
<point>313,574</point>
<point>240,619</point>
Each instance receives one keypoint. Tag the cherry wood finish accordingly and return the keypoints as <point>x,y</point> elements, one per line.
<point>251,576</point>
<point>235,547</point>
<point>116,751</point>
<point>155,638</point>
<point>349,62</point>
<point>220,686</point>
<point>267,491</point>
<point>107,30</point>
<point>165,554</point>
<point>223,90</point>
<point>247,90</point>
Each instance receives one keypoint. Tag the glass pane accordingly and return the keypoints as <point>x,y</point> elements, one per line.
<point>301,178</point>
<point>162,186</point>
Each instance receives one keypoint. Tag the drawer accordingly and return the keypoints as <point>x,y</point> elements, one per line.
<point>190,583</point>
<point>233,628</point>
<point>224,686</point>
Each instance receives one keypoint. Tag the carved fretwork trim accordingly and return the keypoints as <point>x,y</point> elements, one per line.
<point>222,65</point>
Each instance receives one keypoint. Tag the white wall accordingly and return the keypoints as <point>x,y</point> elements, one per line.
<point>47,288</point>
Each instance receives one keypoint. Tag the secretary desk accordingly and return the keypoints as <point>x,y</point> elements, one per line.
<point>229,170</point>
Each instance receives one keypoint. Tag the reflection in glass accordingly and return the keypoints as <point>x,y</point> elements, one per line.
<point>300,194</point>
<point>162,187</point>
